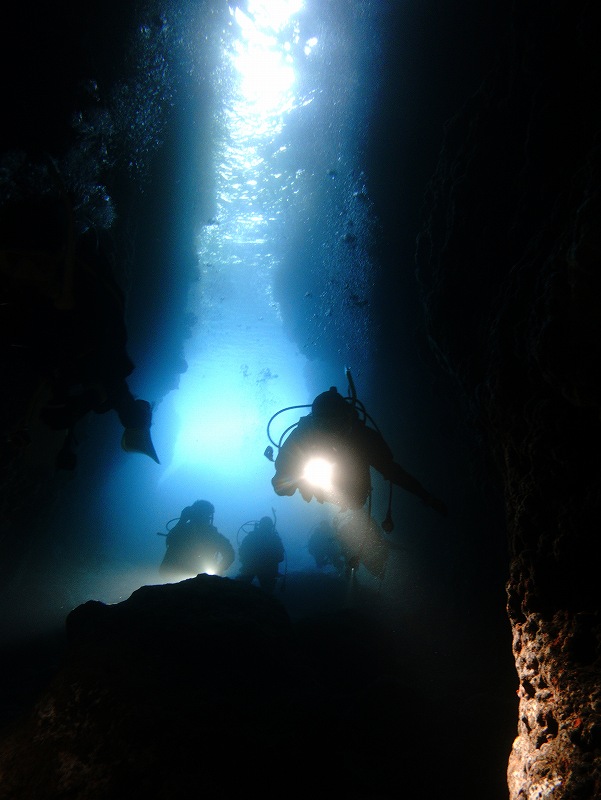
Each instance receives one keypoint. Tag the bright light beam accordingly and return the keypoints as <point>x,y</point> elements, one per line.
<point>318,472</point>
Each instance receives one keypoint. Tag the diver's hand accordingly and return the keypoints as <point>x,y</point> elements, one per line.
<point>282,487</point>
<point>306,492</point>
<point>436,504</point>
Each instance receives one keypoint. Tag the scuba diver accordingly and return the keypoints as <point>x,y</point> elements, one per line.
<point>260,553</point>
<point>63,324</point>
<point>194,545</point>
<point>324,546</point>
<point>328,454</point>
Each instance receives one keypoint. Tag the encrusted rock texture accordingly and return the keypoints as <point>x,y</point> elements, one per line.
<point>512,243</point>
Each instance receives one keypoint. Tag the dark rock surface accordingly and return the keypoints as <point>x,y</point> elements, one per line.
<point>512,239</point>
<point>212,688</point>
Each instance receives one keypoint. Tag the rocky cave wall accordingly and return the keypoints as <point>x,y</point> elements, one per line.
<point>508,261</point>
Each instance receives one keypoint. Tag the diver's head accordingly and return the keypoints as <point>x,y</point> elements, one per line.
<point>202,511</point>
<point>265,524</point>
<point>331,408</point>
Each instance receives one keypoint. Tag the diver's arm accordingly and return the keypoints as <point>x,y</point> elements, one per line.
<point>291,458</point>
<point>282,485</point>
<point>287,466</point>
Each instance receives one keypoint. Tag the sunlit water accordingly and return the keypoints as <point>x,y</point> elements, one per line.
<point>284,269</point>
<point>282,299</point>
<point>272,200</point>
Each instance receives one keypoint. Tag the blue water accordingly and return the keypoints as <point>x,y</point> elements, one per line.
<point>263,178</point>
<point>282,300</point>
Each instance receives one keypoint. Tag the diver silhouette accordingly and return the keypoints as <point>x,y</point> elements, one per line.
<point>325,548</point>
<point>64,321</point>
<point>194,545</point>
<point>260,553</point>
<point>329,452</point>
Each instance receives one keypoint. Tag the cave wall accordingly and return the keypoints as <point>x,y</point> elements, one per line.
<point>508,265</point>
